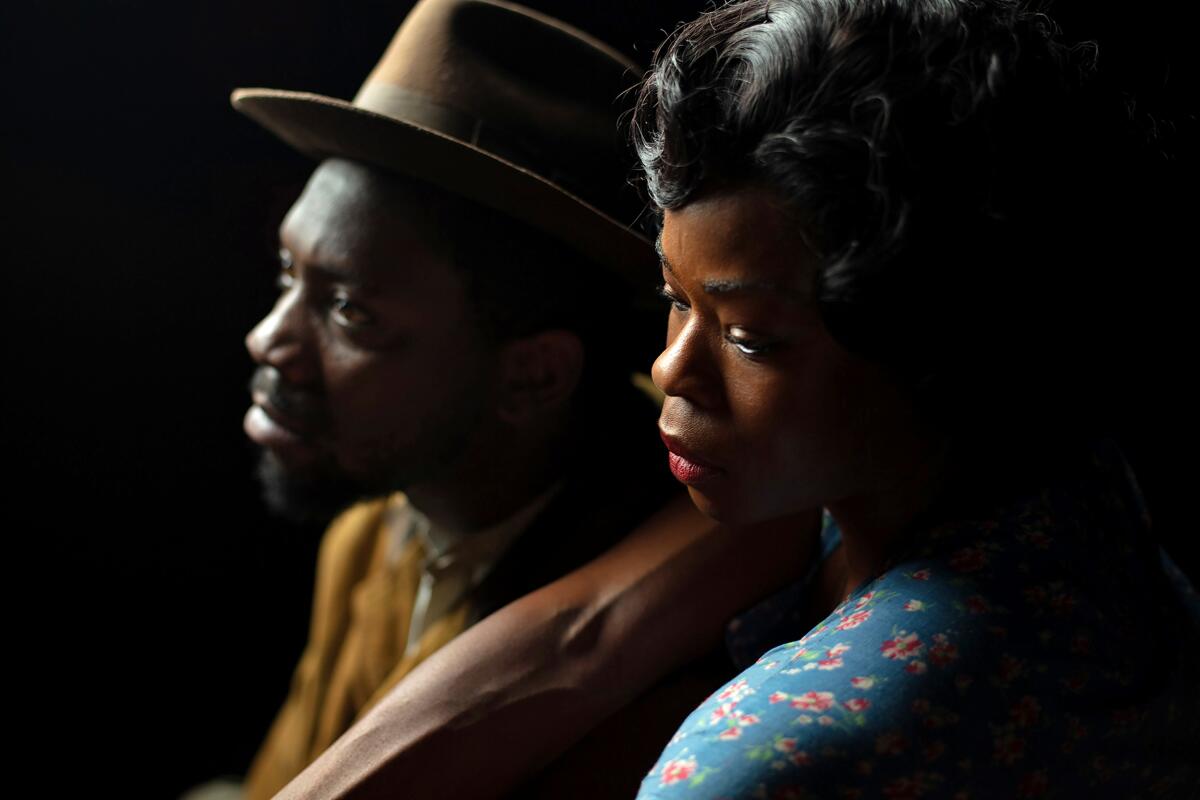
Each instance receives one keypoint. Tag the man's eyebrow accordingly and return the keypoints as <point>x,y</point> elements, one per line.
<point>328,271</point>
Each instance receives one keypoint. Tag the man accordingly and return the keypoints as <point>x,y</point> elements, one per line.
<point>454,311</point>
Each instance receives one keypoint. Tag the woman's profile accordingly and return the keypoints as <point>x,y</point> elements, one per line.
<point>879,220</point>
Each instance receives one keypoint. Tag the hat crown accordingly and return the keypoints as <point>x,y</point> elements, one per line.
<point>495,103</point>
<point>516,83</point>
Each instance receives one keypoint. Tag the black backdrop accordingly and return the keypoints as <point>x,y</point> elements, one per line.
<point>158,610</point>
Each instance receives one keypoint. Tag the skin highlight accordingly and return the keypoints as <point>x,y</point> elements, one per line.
<point>759,390</point>
<point>374,373</point>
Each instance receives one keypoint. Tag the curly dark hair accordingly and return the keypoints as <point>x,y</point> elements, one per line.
<point>947,160</point>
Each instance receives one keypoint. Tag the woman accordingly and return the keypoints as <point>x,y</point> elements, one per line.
<point>874,222</point>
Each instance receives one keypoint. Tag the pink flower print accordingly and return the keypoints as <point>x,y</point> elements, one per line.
<point>1035,595</point>
<point>942,652</point>
<point>862,682</point>
<point>800,758</point>
<point>978,604</point>
<point>747,719</point>
<point>891,743</point>
<point>777,697</point>
<point>1037,538</point>
<point>914,605</point>
<point>824,720</point>
<point>933,751</point>
<point>829,663</point>
<point>853,621</point>
<point>1010,669</point>
<point>804,719</point>
<point>968,559</point>
<point>915,668</point>
<point>799,654</point>
<point>908,788</point>
<point>857,704</point>
<point>837,650</point>
<point>1075,731</point>
<point>730,733</point>
<point>1008,748</point>
<point>735,691</point>
<point>920,575</point>
<point>905,645</point>
<point>813,701</point>
<point>1076,682</point>
<point>1025,711</point>
<point>785,745</point>
<point>1033,784</point>
<point>677,769</point>
<point>1063,603</point>
<point>721,712</point>
<point>862,601</point>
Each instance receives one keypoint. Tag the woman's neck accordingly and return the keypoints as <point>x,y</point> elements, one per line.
<point>873,522</point>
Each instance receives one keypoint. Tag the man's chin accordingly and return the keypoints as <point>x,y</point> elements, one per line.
<point>309,496</point>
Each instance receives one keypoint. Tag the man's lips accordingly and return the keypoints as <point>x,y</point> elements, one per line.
<point>267,427</point>
<point>686,466</point>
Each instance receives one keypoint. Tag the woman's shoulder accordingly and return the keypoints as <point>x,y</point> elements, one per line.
<point>1012,651</point>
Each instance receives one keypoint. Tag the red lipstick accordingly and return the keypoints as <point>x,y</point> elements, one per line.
<point>687,467</point>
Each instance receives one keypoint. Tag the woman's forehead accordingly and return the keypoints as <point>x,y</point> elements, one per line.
<point>735,238</point>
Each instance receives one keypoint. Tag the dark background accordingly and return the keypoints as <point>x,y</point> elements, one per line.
<point>158,609</point>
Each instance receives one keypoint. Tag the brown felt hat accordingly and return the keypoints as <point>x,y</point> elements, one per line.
<point>494,102</point>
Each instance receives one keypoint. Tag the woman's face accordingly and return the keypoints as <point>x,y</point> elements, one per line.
<point>765,413</point>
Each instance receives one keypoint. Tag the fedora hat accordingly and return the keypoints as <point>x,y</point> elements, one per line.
<point>494,102</point>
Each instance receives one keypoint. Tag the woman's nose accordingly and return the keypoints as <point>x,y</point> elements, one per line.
<point>282,339</point>
<point>686,368</point>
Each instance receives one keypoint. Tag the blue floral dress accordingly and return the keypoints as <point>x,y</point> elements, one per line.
<point>1046,651</point>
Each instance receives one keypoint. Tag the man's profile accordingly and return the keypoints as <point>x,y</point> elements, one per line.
<point>435,335</point>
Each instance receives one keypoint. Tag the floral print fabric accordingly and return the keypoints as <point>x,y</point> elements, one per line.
<point>1041,652</point>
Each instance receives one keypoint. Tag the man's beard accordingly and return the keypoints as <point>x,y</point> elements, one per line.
<point>316,492</point>
<point>312,497</point>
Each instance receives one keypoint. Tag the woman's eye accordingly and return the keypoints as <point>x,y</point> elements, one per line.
<point>676,302</point>
<point>747,343</point>
<point>348,314</point>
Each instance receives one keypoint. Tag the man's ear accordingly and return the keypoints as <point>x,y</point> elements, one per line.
<point>538,375</point>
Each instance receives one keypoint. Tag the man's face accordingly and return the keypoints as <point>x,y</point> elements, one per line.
<point>372,374</point>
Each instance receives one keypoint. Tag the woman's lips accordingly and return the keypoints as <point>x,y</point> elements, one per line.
<point>686,466</point>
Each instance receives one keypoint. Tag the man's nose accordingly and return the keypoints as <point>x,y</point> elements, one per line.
<point>686,368</point>
<point>282,339</point>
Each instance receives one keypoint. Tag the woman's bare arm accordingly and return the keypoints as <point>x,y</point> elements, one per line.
<point>515,691</point>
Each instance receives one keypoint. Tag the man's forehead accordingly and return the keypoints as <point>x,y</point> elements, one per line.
<point>353,218</point>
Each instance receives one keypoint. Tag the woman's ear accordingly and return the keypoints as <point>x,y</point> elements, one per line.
<point>539,373</point>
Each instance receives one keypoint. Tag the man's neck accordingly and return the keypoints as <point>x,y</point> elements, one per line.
<point>482,494</point>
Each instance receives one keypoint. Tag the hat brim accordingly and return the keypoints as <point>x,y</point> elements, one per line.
<point>322,126</point>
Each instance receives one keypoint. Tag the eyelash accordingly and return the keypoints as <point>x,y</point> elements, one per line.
<point>339,304</point>
<point>675,302</point>
<point>748,348</point>
<point>751,348</point>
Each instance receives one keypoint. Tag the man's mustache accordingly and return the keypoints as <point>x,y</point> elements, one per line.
<point>303,408</point>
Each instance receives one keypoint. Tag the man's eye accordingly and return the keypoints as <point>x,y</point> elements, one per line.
<point>676,302</point>
<point>347,313</point>
<point>286,278</point>
<point>747,343</point>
